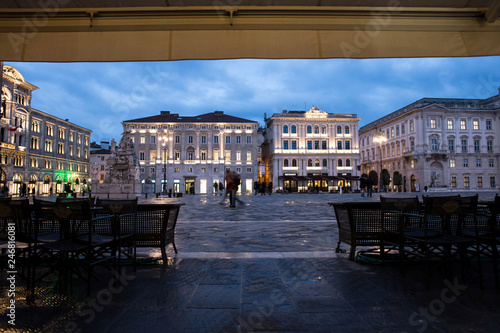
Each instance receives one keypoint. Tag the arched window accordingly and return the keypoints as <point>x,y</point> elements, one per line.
<point>309,163</point>
<point>339,130</point>
<point>285,129</point>
<point>309,129</point>
<point>190,153</point>
<point>316,163</point>
<point>294,162</point>
<point>323,129</point>
<point>294,129</point>
<point>346,131</point>
<point>316,129</point>
<point>347,163</point>
<point>285,163</point>
<point>340,163</point>
<point>325,163</point>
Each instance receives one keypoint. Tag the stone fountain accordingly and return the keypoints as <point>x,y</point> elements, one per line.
<point>122,171</point>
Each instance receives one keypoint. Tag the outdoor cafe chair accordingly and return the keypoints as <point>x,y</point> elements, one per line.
<point>123,227</point>
<point>436,243</point>
<point>81,245</point>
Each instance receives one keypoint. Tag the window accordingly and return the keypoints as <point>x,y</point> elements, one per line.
<point>309,129</point>
<point>203,139</point>
<point>203,155</point>
<point>143,139</point>
<point>466,182</point>
<point>142,156</point>
<point>488,124</point>
<point>412,145</point>
<point>216,140</point>
<point>34,143</point>
<point>451,145</point>
<point>316,129</point>
<point>489,146</point>
<point>477,146</point>
<point>412,164</point>
<point>35,127</point>
<point>285,144</point>
<point>238,139</point>
<point>294,163</point>
<point>176,169</point>
<point>78,152</point>
<point>177,139</point>
<point>348,145</point>
<point>479,181</point>
<point>397,130</point>
<point>339,144</point>
<point>152,155</point>
<point>203,170</point>
<point>491,163</point>
<point>48,165</point>
<point>453,181</point>
<point>464,146</point>
<point>316,144</point>
<point>452,163</point>
<point>475,124</point>
<point>249,156</point>
<point>294,129</point>
<point>48,146</point>
<point>228,155</point>
<point>190,155</point>
<point>346,130</point>
<point>433,123</point>
<point>316,163</point>
<point>323,144</point>
<point>492,182</point>
<point>309,163</point>
<point>79,139</point>
<point>190,139</point>
<point>33,163</point>
<point>348,163</point>
<point>463,125</point>
<point>249,139</point>
<point>294,144</point>
<point>238,156</point>
<point>403,129</point>
<point>450,124</point>
<point>228,139</point>
<point>339,130</point>
<point>323,129</point>
<point>216,155</point>
<point>152,139</point>
<point>285,129</point>
<point>152,170</point>
<point>339,163</point>
<point>412,128</point>
<point>478,162</point>
<point>434,144</point>
<point>177,155</point>
<point>285,163</point>
<point>49,130</point>
<point>325,163</point>
<point>60,134</point>
<point>466,162</point>
<point>309,144</point>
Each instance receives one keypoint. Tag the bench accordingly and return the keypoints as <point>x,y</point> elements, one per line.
<point>359,224</point>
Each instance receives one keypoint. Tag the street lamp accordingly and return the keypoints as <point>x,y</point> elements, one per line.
<point>380,139</point>
<point>164,138</point>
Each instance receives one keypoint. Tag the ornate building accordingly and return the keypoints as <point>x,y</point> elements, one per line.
<point>36,148</point>
<point>441,143</point>
<point>190,154</point>
<point>314,149</point>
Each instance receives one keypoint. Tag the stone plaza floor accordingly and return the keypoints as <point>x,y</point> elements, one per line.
<point>266,266</point>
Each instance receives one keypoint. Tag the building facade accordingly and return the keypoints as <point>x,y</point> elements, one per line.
<point>189,154</point>
<point>438,143</point>
<point>99,153</point>
<point>313,150</point>
<point>37,149</point>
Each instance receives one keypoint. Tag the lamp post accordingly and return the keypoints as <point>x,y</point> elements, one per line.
<point>380,138</point>
<point>164,149</point>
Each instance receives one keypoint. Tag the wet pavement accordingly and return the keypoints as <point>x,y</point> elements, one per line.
<point>266,266</point>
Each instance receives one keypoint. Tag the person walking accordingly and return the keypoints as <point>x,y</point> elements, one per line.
<point>262,188</point>
<point>369,187</point>
<point>270,187</point>
<point>216,188</point>
<point>221,187</point>
<point>362,185</point>
<point>255,187</point>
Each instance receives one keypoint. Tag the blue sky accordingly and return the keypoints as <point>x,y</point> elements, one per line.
<point>99,96</point>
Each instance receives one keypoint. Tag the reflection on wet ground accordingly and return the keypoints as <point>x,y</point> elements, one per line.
<point>268,266</point>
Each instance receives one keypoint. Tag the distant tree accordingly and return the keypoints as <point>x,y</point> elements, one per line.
<point>397,179</point>
<point>386,178</point>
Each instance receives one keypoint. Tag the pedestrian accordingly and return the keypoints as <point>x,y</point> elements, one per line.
<point>262,188</point>
<point>216,188</point>
<point>270,187</point>
<point>191,188</point>
<point>362,185</point>
<point>233,180</point>
<point>255,187</point>
<point>316,188</point>
<point>369,187</point>
<point>50,191</point>
<point>425,189</point>
<point>221,187</point>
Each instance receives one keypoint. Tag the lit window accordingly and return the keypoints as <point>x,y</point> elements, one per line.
<point>143,139</point>
<point>452,163</point>
<point>433,123</point>
<point>249,156</point>
<point>466,182</point>
<point>479,181</point>
<point>453,181</point>
<point>463,125</point>
<point>475,124</point>
<point>450,124</point>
